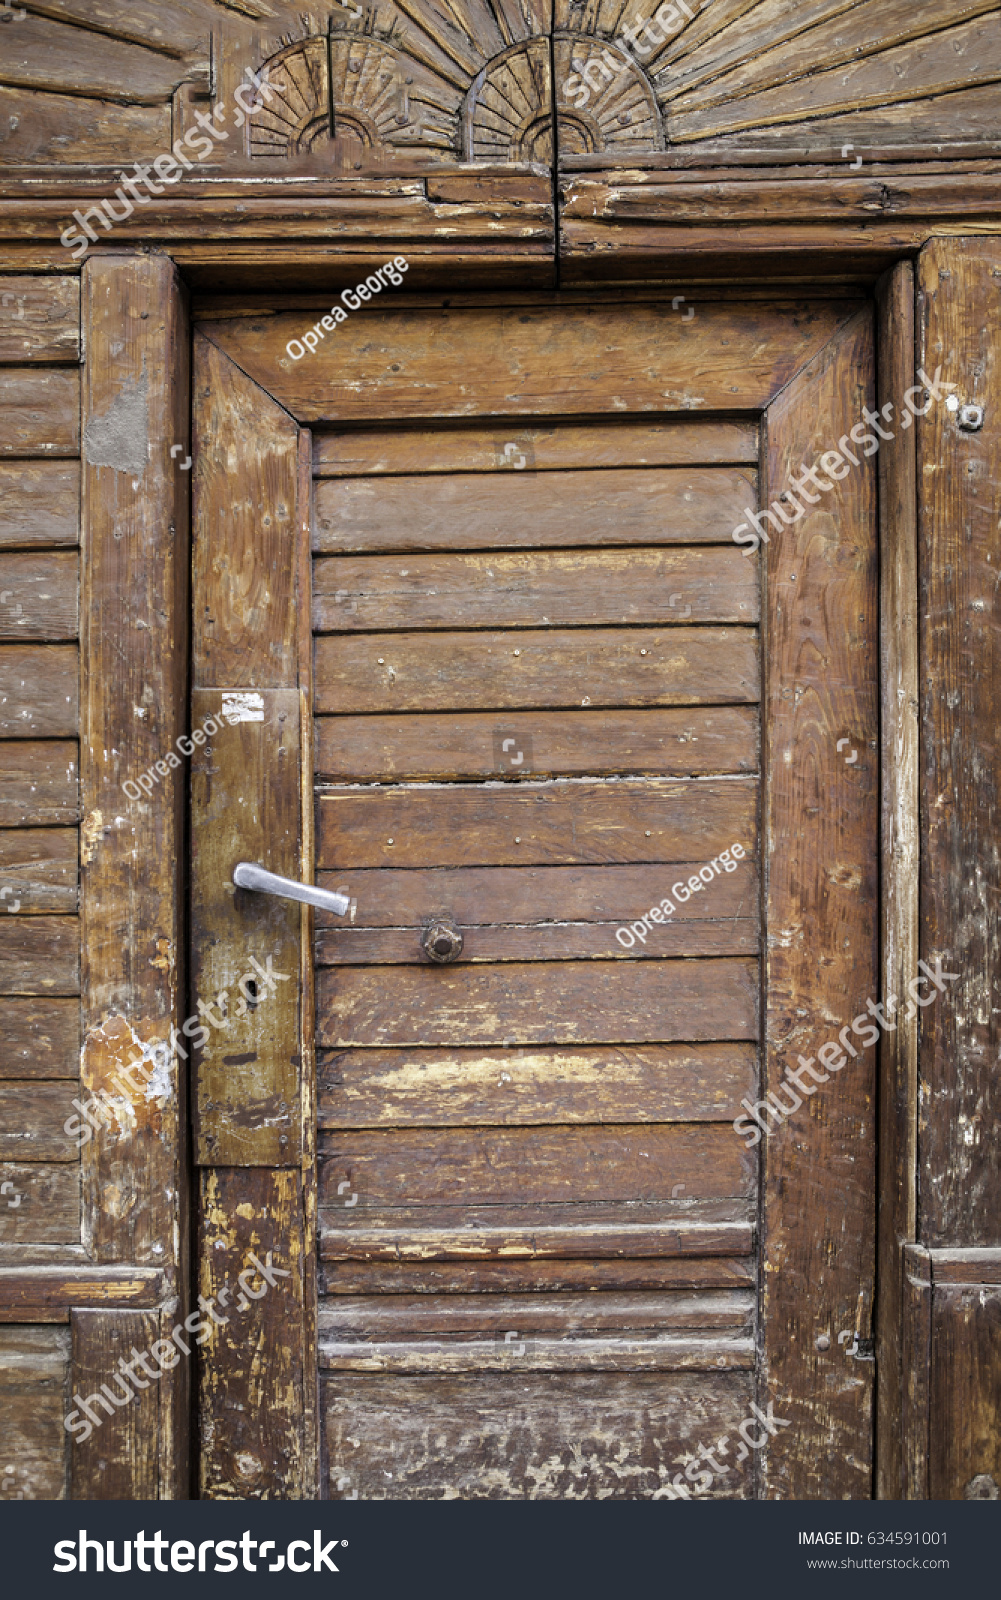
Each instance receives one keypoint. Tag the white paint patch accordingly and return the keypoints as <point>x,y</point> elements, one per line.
<point>243,707</point>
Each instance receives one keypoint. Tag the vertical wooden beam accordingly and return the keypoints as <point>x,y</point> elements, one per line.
<point>898,644</point>
<point>821,862</point>
<point>916,1347</point>
<point>135,551</point>
<point>120,1458</point>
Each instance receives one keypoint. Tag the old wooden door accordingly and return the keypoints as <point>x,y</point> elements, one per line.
<point>484,634</point>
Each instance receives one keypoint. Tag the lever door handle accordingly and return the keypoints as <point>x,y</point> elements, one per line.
<point>246,875</point>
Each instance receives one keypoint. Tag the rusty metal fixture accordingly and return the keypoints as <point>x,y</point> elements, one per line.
<point>441,940</point>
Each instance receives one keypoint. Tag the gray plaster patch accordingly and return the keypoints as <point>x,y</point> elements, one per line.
<point>120,437</point>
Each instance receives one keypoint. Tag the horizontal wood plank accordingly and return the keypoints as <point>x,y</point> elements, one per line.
<point>434,1088</point>
<point>378,1317</point>
<point>46,1294</point>
<point>567,823</point>
<point>39,412</point>
<point>640,667</point>
<point>675,743</point>
<point>39,691</point>
<point>533,1277</point>
<point>530,589</point>
<point>39,503</point>
<point>31,1121</point>
<point>39,317</point>
<point>39,782</point>
<point>507,510</point>
<point>544,446</point>
<point>583,1233</point>
<point>526,1352</point>
<point>566,941</point>
<point>39,955</point>
<point>41,1038</point>
<point>42,1204</point>
<point>39,595</point>
<point>38,870</point>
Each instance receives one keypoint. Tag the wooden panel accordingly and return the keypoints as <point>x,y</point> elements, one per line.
<point>41,1038</point>
<point>531,1437</point>
<point>242,530</point>
<point>546,744</point>
<point>39,413</point>
<point>245,1081</point>
<point>64,130</point>
<point>562,445</point>
<point>134,656</point>
<point>39,317</point>
<point>535,1003</point>
<point>465,671</point>
<point>672,506</point>
<point>532,361</point>
<point>31,1121</point>
<point>531,589</point>
<point>39,691</point>
<point>43,1204</point>
<point>978,1264</point>
<point>40,955</point>
<point>39,782</point>
<point>526,1276</point>
<point>958,519</point>
<point>546,824</point>
<point>77,61</point>
<point>40,595</point>
<point>253,1391</point>
<point>821,833</point>
<point>34,1366</point>
<point>38,869</point>
<point>965,1383</point>
<point>583,1232</point>
<point>46,1294</point>
<point>618,1352</point>
<point>119,1460</point>
<point>39,502</point>
<point>380,1088</point>
<point>378,1317</point>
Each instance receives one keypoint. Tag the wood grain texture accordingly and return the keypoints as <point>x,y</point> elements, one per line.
<point>39,317</point>
<point>391,364</point>
<point>39,955</point>
<point>671,743</point>
<point>41,1038</point>
<point>57,129</point>
<point>531,589</point>
<point>965,1387</point>
<point>31,1121</point>
<point>34,1367</point>
<point>39,782</point>
<point>524,1352</point>
<point>958,510</point>
<point>533,1277</point>
<point>43,1207</point>
<point>39,412</point>
<point>374,1318</point>
<point>252,1373</point>
<point>383,1088</point>
<point>554,667</point>
<point>507,510</point>
<point>39,503</point>
<point>41,595</point>
<point>613,442</point>
<point>47,1294</point>
<point>565,823</point>
<point>76,61</point>
<point>916,1353</point>
<point>578,1233</point>
<point>38,869</point>
<point>580,1436</point>
<point>39,691</point>
<point>536,1003</point>
<point>899,867</point>
<point>120,1459</point>
<point>821,835</point>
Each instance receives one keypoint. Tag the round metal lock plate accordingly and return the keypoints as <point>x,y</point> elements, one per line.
<point>441,941</point>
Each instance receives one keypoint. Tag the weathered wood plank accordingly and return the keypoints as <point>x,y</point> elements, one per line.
<point>415,1088</point>
<point>39,412</point>
<point>44,54</point>
<point>39,691</point>
<point>539,1436</point>
<point>34,1365</point>
<point>507,510</point>
<point>41,1038</point>
<point>39,317</point>
<point>39,503</point>
<point>533,588</point>
<point>39,782</point>
<point>119,1459</point>
<point>40,955</point>
<point>467,671</point>
<point>621,1352</point>
<point>46,1294</point>
<point>676,743</point>
<point>31,1121</point>
<point>958,517</point>
<point>40,595</point>
<point>41,1204</point>
<point>539,1277</point>
<point>643,1002</point>
<point>38,870</point>
<point>377,1317</point>
<point>561,823</point>
<point>578,1233</point>
<point>562,445</point>
<point>569,941</point>
<point>64,130</point>
<point>964,1458</point>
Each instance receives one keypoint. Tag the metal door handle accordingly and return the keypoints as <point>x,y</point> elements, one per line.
<point>247,875</point>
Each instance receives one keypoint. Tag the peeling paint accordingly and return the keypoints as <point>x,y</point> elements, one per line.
<point>119,437</point>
